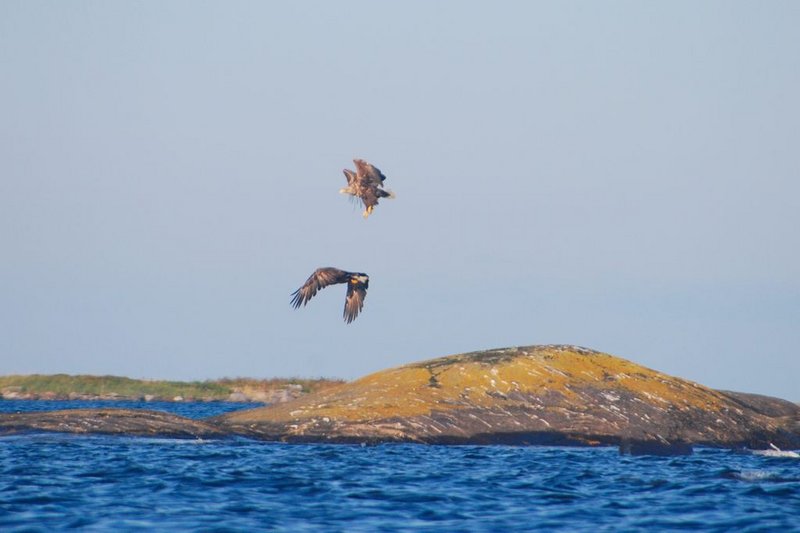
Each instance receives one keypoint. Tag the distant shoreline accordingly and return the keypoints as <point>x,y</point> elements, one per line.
<point>61,387</point>
<point>551,395</point>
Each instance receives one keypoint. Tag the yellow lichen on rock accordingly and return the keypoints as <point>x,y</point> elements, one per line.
<point>510,376</point>
<point>553,395</point>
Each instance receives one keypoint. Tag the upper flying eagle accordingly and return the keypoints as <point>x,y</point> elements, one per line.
<point>366,183</point>
<point>357,283</point>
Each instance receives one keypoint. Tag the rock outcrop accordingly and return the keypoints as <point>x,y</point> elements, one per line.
<point>556,395</point>
<point>132,422</point>
<point>562,395</point>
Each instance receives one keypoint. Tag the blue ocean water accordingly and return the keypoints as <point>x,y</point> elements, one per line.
<point>194,410</point>
<point>56,481</point>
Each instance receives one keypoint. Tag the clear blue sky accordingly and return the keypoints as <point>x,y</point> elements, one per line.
<point>617,175</point>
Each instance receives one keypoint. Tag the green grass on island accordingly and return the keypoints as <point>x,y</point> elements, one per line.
<point>63,386</point>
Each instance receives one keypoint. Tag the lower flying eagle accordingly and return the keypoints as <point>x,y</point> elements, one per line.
<point>366,183</point>
<point>357,283</point>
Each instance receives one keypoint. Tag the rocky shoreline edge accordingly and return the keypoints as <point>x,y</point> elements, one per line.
<point>64,387</point>
<point>533,395</point>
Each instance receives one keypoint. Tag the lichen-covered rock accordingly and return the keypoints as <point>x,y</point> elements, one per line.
<point>557,395</point>
<point>527,395</point>
<point>132,422</point>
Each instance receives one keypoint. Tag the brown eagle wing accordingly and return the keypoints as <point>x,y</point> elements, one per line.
<point>354,301</point>
<point>350,175</point>
<point>321,278</point>
<point>369,172</point>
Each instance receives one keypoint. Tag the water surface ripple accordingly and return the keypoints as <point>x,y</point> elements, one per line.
<point>55,481</point>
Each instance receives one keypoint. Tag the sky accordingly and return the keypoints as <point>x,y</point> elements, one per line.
<point>617,175</point>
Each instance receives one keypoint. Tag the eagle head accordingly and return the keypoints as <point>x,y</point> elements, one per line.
<point>361,278</point>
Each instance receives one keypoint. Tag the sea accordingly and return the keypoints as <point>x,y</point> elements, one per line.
<point>54,482</point>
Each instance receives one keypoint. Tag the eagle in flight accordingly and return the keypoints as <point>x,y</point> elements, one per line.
<point>357,283</point>
<point>366,183</point>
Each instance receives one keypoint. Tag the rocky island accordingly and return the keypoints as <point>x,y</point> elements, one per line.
<point>553,395</point>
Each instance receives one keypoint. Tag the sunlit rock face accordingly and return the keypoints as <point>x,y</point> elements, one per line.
<point>562,395</point>
<point>557,395</point>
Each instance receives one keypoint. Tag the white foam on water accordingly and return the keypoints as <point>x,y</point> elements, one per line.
<point>777,453</point>
<point>755,475</point>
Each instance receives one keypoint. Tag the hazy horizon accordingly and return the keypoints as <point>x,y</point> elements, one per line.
<point>621,176</point>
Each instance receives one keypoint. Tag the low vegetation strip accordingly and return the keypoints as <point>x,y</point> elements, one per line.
<point>66,387</point>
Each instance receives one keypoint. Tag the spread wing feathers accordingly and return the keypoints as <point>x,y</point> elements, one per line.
<point>354,300</point>
<point>350,175</point>
<point>321,278</point>
<point>369,172</point>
